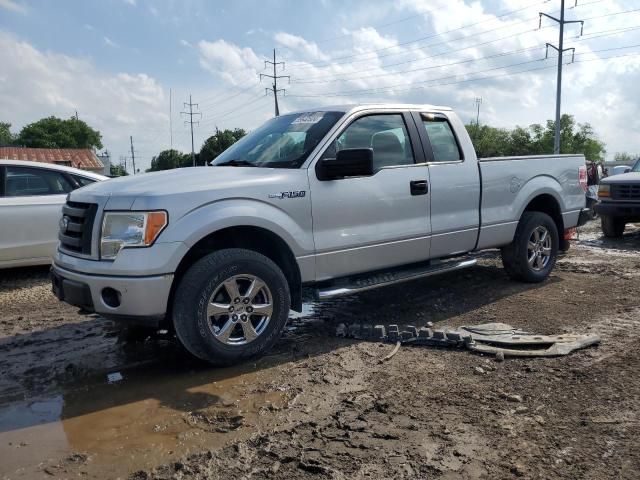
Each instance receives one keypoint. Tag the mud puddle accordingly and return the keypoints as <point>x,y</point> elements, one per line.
<point>138,422</point>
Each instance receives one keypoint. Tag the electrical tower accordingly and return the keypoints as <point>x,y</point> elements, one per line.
<point>560,49</point>
<point>191,113</point>
<point>133,156</point>
<point>275,78</point>
<point>478,102</point>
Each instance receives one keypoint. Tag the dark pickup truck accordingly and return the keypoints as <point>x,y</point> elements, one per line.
<point>619,201</point>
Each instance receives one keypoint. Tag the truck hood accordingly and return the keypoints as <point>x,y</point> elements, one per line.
<point>181,190</point>
<point>630,177</point>
<point>180,180</point>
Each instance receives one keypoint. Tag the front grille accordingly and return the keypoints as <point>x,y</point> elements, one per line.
<point>76,227</point>
<point>625,192</point>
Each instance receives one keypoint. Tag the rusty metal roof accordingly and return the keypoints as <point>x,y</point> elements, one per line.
<point>82,158</point>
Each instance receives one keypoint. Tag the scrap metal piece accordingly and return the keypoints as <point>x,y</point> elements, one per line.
<point>492,338</point>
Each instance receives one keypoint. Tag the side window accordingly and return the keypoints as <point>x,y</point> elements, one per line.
<point>385,134</point>
<point>24,181</point>
<point>443,141</point>
<point>83,181</point>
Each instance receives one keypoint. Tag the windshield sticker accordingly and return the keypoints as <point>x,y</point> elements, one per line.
<point>309,117</point>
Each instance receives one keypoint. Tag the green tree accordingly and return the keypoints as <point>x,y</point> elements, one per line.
<point>537,139</point>
<point>6,137</point>
<point>117,171</point>
<point>166,160</point>
<point>218,143</point>
<point>625,157</point>
<point>52,132</point>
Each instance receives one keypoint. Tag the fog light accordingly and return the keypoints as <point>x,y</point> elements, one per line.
<point>111,297</point>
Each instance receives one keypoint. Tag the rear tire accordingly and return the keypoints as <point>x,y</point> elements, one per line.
<point>612,227</point>
<point>532,254</point>
<point>231,305</point>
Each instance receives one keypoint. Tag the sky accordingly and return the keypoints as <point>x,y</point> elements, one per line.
<point>128,66</point>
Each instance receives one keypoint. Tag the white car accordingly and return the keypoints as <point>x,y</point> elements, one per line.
<point>31,199</point>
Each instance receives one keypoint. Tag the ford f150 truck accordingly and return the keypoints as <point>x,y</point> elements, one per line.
<point>619,201</point>
<point>340,199</point>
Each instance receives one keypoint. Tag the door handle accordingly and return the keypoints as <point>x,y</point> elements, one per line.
<point>419,187</point>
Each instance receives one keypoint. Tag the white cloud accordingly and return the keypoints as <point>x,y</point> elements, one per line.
<point>230,62</point>
<point>185,43</point>
<point>153,10</point>
<point>109,42</point>
<point>13,6</point>
<point>299,44</point>
<point>131,2</point>
<point>40,84</point>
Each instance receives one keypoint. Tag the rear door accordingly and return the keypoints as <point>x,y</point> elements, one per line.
<point>30,209</point>
<point>455,185</point>
<point>367,223</point>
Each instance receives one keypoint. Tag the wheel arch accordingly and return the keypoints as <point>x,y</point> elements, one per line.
<point>549,204</point>
<point>257,239</point>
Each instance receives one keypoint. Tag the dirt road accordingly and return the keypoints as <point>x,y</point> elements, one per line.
<point>324,407</point>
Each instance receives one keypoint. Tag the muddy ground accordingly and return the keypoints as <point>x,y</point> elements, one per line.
<point>319,406</point>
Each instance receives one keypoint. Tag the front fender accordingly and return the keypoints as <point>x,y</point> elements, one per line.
<point>293,226</point>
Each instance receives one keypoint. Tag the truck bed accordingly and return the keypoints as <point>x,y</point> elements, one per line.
<point>510,183</point>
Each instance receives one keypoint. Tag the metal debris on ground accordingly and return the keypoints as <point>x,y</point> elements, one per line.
<point>114,377</point>
<point>499,339</point>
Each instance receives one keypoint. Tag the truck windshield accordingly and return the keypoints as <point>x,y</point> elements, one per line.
<point>282,142</point>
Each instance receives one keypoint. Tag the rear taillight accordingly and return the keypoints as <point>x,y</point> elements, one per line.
<point>582,176</point>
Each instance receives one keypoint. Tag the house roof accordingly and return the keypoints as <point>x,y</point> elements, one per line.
<point>82,158</point>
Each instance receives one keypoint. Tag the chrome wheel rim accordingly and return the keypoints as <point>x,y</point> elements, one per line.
<point>239,309</point>
<point>539,248</point>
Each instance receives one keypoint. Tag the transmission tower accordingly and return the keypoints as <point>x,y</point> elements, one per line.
<point>560,49</point>
<point>274,77</point>
<point>191,113</point>
<point>478,102</point>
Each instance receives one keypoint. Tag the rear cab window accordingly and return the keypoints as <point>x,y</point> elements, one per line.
<point>444,144</point>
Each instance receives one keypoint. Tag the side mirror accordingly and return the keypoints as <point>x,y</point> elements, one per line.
<point>351,162</point>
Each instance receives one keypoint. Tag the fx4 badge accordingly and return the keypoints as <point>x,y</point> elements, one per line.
<point>295,194</point>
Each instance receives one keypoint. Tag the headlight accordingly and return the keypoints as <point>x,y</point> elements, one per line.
<point>129,229</point>
<point>604,190</point>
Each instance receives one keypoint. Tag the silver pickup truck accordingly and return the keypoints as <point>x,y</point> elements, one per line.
<point>340,199</point>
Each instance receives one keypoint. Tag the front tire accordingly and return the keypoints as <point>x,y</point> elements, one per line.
<point>231,305</point>
<point>534,250</point>
<point>612,227</point>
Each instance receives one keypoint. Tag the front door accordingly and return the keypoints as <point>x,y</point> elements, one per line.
<point>367,223</point>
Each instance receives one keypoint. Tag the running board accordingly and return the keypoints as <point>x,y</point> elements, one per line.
<point>383,279</point>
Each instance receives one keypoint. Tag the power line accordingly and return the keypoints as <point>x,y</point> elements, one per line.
<point>191,113</point>
<point>350,77</point>
<point>275,78</point>
<point>421,39</point>
<point>560,49</point>
<point>505,74</point>
<point>377,57</point>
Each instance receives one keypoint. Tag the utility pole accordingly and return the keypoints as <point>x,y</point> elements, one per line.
<point>191,113</point>
<point>133,156</point>
<point>170,121</point>
<point>478,102</point>
<point>76,115</point>
<point>275,78</point>
<point>560,49</point>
